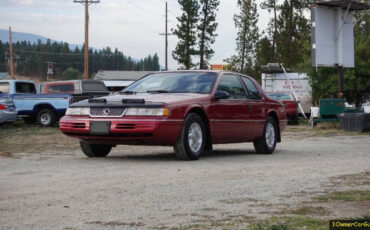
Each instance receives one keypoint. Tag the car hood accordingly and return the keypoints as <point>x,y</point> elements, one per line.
<point>142,100</point>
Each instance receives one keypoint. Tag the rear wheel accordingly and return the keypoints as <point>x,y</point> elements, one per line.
<point>95,150</point>
<point>46,117</point>
<point>267,143</point>
<point>192,140</point>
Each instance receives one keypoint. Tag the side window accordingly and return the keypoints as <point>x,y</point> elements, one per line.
<point>65,88</point>
<point>253,92</point>
<point>23,87</point>
<point>232,85</point>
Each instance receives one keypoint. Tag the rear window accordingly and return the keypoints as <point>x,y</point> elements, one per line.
<point>62,88</point>
<point>94,87</point>
<point>4,87</point>
<point>24,87</point>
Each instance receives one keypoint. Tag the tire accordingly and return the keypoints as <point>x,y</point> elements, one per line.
<point>29,120</point>
<point>95,150</point>
<point>46,117</point>
<point>186,147</point>
<point>265,145</point>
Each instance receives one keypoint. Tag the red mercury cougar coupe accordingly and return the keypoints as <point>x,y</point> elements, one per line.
<point>189,110</point>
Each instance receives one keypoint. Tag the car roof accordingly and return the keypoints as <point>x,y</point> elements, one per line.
<point>15,80</point>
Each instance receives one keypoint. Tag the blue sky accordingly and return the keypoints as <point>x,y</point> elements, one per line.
<point>133,26</point>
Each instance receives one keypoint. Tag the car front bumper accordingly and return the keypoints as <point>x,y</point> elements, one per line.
<point>125,130</point>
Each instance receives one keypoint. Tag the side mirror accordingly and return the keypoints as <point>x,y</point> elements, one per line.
<point>220,94</point>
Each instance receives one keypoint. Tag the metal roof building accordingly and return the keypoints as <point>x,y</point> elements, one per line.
<point>121,75</point>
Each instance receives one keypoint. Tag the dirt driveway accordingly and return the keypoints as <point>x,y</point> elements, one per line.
<point>308,178</point>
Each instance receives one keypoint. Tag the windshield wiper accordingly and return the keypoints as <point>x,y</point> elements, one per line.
<point>157,91</point>
<point>127,92</point>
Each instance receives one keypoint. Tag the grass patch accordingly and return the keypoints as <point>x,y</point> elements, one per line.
<point>21,138</point>
<point>308,210</point>
<point>354,195</point>
<point>290,223</point>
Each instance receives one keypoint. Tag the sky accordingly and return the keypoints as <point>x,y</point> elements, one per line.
<point>132,26</point>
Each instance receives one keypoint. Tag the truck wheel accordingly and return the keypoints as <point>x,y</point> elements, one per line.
<point>95,150</point>
<point>46,117</point>
<point>192,140</point>
<point>267,143</point>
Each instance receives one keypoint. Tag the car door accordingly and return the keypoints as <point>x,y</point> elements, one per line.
<point>256,108</point>
<point>228,116</point>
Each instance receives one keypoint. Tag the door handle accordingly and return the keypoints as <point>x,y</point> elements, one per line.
<point>249,107</point>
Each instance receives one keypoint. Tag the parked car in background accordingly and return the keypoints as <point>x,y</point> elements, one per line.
<point>8,111</point>
<point>31,106</point>
<point>79,89</point>
<point>189,110</point>
<point>291,106</point>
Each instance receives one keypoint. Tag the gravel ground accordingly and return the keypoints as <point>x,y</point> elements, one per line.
<point>146,187</point>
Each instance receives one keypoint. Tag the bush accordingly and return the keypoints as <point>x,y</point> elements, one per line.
<point>71,74</point>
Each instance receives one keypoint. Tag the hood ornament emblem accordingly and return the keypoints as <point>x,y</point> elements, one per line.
<point>106,112</point>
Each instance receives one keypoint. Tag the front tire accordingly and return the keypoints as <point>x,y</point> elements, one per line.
<point>95,150</point>
<point>267,143</point>
<point>46,117</point>
<point>192,140</point>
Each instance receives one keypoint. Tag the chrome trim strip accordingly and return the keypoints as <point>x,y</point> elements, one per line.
<point>129,120</point>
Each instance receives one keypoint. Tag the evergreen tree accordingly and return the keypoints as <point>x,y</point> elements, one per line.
<point>207,29</point>
<point>186,32</point>
<point>271,5</point>
<point>293,34</point>
<point>247,36</point>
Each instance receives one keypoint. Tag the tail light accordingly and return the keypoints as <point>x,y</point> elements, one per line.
<point>3,107</point>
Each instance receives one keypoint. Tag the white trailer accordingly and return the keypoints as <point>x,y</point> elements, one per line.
<point>276,82</point>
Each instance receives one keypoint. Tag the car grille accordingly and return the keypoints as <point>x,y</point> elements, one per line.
<point>107,112</point>
<point>125,126</point>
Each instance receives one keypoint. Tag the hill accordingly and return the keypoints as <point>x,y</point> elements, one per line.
<point>33,38</point>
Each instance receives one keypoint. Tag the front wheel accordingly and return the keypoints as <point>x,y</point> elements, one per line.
<point>267,143</point>
<point>95,150</point>
<point>192,140</point>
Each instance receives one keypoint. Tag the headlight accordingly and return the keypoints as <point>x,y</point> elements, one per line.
<point>162,112</point>
<point>78,111</point>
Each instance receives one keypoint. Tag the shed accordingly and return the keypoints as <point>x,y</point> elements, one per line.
<point>4,76</point>
<point>118,80</point>
<point>120,75</point>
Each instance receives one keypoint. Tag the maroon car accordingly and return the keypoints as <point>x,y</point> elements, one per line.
<point>189,110</point>
<point>291,106</point>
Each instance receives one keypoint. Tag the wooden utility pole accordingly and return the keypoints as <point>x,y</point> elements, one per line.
<point>166,39</point>
<point>11,63</point>
<point>86,48</point>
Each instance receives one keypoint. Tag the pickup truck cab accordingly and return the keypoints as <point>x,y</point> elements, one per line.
<point>79,89</point>
<point>44,108</point>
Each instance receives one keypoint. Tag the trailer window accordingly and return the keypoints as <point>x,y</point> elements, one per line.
<point>61,88</point>
<point>24,87</point>
<point>94,87</point>
<point>4,87</point>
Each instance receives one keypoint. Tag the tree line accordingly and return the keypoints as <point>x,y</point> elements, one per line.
<point>31,59</point>
<point>287,40</point>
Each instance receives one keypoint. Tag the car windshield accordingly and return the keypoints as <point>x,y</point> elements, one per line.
<point>181,82</point>
<point>281,97</point>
